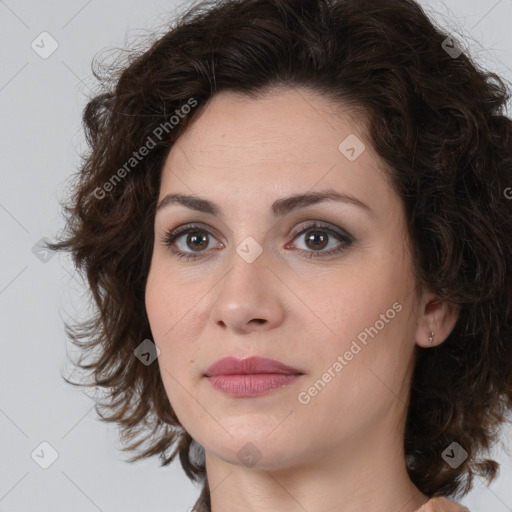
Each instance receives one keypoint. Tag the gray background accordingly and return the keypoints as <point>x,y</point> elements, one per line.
<point>40,104</point>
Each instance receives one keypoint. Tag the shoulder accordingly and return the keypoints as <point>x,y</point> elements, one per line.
<point>441,504</point>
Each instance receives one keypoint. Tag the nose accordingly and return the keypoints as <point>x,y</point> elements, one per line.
<point>249,296</point>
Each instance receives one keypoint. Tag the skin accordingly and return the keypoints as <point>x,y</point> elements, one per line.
<point>345,445</point>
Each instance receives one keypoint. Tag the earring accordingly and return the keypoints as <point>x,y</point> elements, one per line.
<point>431,337</point>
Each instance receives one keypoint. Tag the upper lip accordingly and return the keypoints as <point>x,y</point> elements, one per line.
<point>250,365</point>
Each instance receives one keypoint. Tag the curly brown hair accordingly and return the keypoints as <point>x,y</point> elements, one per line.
<point>437,120</point>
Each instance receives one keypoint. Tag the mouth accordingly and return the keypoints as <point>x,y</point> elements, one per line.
<point>250,377</point>
<point>249,366</point>
<point>252,385</point>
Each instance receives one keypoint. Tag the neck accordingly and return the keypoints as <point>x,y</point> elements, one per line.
<point>368,473</point>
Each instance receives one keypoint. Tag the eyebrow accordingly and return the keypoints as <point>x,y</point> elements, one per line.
<point>279,208</point>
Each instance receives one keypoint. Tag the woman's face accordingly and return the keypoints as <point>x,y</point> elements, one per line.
<point>336,302</point>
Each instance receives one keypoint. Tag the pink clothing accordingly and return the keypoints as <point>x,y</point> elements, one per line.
<point>441,504</point>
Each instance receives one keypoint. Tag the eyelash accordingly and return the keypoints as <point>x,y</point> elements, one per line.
<point>169,238</point>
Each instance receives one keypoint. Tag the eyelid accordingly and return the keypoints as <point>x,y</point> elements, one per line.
<point>345,240</point>
<point>304,225</point>
<point>328,226</point>
<point>182,229</point>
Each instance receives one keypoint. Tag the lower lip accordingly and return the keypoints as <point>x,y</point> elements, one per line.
<point>251,385</point>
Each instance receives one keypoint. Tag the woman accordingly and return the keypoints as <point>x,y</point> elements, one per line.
<point>294,223</point>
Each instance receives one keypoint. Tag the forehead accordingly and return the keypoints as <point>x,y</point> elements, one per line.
<point>287,141</point>
<point>273,124</point>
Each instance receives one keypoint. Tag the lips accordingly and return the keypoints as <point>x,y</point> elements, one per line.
<point>249,366</point>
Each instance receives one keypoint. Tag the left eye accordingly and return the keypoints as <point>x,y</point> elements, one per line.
<point>318,239</point>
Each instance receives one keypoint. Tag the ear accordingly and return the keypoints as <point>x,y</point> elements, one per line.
<point>437,316</point>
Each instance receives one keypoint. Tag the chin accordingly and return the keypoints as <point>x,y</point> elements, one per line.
<point>252,447</point>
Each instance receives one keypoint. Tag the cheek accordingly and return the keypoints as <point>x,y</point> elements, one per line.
<point>163,311</point>
<point>367,309</point>
<point>167,314</point>
<point>173,320</point>
<point>355,298</point>
<point>166,301</point>
<point>156,301</point>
